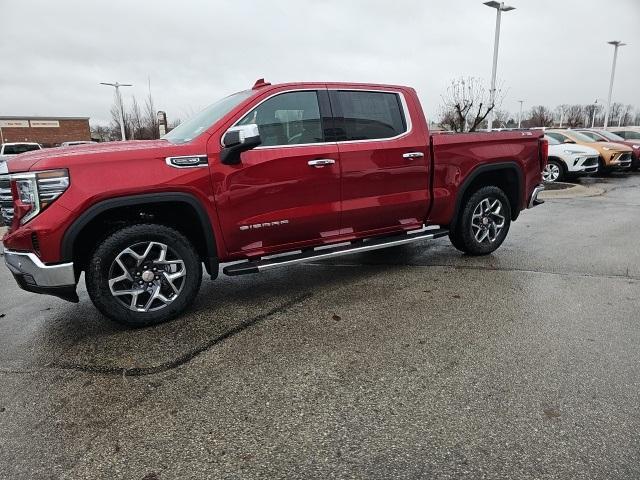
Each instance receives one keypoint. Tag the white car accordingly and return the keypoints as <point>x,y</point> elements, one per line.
<point>568,159</point>
<point>76,142</point>
<point>8,150</point>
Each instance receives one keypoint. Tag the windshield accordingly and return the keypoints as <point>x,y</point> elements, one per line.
<point>19,148</point>
<point>197,124</point>
<point>551,140</point>
<point>611,136</point>
<point>580,137</point>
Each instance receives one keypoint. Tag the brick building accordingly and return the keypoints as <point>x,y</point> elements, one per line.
<point>48,131</point>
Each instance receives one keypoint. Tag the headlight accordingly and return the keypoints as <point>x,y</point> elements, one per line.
<point>572,152</point>
<point>606,148</point>
<point>636,146</point>
<point>35,191</point>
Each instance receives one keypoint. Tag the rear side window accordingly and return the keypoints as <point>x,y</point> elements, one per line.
<point>20,148</point>
<point>362,115</point>
<point>291,118</point>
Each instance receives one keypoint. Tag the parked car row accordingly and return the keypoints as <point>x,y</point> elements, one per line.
<point>588,151</point>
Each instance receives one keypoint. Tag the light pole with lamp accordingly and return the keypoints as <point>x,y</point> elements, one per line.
<point>500,7</point>
<point>119,97</point>
<point>616,44</point>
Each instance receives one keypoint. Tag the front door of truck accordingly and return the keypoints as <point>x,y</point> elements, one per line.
<point>286,191</point>
<point>384,160</point>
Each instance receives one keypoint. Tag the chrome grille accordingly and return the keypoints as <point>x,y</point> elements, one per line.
<point>6,202</point>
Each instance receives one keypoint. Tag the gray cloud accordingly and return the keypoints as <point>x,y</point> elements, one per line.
<point>54,54</point>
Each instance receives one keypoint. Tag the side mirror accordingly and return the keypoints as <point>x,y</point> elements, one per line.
<point>568,140</point>
<point>237,140</point>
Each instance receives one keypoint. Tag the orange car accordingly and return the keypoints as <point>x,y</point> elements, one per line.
<point>613,156</point>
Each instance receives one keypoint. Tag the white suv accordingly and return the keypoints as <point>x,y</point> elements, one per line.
<point>568,159</point>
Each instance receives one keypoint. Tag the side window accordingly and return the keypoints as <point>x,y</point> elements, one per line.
<point>291,118</point>
<point>593,136</point>
<point>363,115</point>
<point>558,136</point>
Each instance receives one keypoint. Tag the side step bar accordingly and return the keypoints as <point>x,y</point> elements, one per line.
<point>322,253</point>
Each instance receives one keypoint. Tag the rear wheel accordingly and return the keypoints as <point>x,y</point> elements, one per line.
<point>143,275</point>
<point>483,223</point>
<point>553,172</point>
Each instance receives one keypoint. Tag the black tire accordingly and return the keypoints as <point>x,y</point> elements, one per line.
<point>179,292</point>
<point>463,235</point>
<point>602,168</point>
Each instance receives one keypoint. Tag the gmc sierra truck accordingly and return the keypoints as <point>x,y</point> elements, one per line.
<point>270,176</point>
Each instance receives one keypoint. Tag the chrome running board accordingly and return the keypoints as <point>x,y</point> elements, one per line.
<point>324,252</point>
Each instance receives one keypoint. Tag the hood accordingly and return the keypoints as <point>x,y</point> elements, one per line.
<point>572,147</point>
<point>618,147</point>
<point>62,157</point>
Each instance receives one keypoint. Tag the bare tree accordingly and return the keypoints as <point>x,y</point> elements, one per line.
<point>137,121</point>
<point>592,112</point>
<point>466,104</point>
<point>617,109</point>
<point>627,115</point>
<point>151,118</point>
<point>539,116</point>
<point>100,133</point>
<point>574,116</point>
<point>501,118</point>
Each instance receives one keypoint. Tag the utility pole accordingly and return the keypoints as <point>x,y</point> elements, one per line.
<point>616,44</point>
<point>500,7</point>
<point>120,104</point>
<point>520,116</point>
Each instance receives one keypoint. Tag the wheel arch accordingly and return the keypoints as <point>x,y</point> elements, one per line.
<point>126,206</point>
<point>493,174</point>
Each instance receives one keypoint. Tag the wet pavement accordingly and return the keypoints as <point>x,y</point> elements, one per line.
<point>410,362</point>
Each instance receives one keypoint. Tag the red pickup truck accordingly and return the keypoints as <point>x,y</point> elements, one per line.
<point>269,176</point>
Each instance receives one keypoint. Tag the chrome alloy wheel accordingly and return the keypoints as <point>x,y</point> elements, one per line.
<point>487,220</point>
<point>551,172</point>
<point>147,276</point>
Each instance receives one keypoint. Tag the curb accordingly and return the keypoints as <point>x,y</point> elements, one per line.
<point>573,191</point>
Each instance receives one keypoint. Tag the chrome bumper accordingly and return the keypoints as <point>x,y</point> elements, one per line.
<point>34,276</point>
<point>534,201</point>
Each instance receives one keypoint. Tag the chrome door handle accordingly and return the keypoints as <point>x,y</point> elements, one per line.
<point>320,162</point>
<point>411,155</point>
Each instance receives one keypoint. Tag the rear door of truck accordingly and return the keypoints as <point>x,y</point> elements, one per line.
<point>384,160</point>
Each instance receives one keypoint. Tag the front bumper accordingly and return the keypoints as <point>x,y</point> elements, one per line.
<point>534,200</point>
<point>34,276</point>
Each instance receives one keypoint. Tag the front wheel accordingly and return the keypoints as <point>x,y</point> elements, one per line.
<point>483,222</point>
<point>553,172</point>
<point>143,275</point>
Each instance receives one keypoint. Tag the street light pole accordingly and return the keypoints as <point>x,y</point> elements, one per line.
<point>616,44</point>
<point>500,7</point>
<point>593,117</point>
<point>120,104</point>
<point>520,116</point>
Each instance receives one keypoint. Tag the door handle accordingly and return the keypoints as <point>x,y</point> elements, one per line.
<point>411,155</point>
<point>320,162</point>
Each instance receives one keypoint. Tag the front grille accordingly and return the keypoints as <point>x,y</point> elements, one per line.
<point>625,158</point>
<point>6,202</point>
<point>590,161</point>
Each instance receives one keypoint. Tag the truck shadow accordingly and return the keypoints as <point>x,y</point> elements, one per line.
<point>77,337</point>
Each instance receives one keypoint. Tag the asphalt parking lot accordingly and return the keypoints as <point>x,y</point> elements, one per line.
<point>411,362</point>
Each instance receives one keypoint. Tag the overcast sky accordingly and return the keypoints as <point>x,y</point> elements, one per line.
<point>54,53</point>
